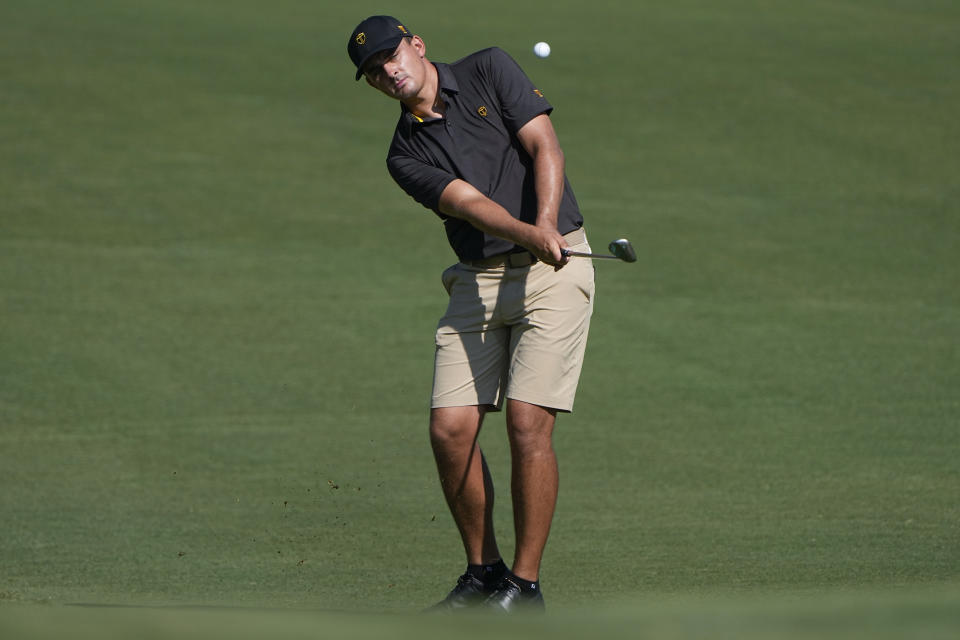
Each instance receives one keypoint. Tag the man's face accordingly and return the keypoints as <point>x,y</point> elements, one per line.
<point>399,73</point>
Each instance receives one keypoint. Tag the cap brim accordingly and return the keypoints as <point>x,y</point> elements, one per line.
<point>386,44</point>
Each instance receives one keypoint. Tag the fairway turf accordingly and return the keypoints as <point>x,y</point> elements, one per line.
<point>870,615</point>
<point>217,308</point>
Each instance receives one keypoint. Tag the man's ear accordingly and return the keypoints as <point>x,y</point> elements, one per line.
<point>418,44</point>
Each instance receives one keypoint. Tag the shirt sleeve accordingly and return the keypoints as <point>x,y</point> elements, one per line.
<point>423,182</point>
<point>520,100</point>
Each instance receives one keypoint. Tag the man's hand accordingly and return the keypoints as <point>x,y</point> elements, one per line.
<point>547,245</point>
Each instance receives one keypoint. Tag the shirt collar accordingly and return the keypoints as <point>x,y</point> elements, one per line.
<point>446,81</point>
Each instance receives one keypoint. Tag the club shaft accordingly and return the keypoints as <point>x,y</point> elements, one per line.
<point>579,254</point>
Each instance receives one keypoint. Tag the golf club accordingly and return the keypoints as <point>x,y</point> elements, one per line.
<point>621,250</point>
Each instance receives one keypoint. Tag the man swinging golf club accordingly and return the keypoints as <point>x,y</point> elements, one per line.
<point>474,143</point>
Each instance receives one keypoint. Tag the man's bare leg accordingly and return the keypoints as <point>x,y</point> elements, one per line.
<point>465,479</point>
<point>535,481</point>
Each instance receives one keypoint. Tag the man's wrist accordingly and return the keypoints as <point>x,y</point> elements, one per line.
<point>547,221</point>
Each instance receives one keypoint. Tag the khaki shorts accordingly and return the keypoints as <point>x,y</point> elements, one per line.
<point>515,332</point>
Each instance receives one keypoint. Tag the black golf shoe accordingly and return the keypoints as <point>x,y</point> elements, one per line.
<point>510,598</point>
<point>470,592</point>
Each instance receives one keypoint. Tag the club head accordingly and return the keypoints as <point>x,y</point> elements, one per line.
<point>623,249</point>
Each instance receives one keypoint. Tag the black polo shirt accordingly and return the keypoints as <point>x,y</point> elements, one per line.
<point>488,99</point>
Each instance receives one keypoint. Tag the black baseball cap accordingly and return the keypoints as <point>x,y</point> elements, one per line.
<point>373,35</point>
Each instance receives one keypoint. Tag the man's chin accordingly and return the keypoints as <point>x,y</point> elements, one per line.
<point>404,93</point>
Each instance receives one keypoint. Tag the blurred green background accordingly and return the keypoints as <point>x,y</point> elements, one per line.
<point>217,310</point>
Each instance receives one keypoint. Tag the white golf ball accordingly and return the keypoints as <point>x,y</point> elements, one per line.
<point>541,49</point>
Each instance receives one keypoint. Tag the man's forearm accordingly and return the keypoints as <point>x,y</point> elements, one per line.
<point>540,142</point>
<point>461,200</point>
<point>548,172</point>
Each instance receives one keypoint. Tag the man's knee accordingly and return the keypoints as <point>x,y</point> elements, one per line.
<point>454,427</point>
<point>530,427</point>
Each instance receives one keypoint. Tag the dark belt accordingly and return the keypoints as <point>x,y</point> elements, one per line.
<point>522,258</point>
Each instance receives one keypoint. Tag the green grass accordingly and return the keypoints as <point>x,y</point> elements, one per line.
<point>216,311</point>
<point>835,615</point>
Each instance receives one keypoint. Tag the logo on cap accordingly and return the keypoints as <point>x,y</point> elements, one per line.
<point>402,28</point>
<point>361,38</point>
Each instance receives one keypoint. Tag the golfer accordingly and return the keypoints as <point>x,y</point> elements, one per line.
<point>475,144</point>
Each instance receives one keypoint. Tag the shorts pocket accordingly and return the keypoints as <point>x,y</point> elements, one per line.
<point>449,277</point>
